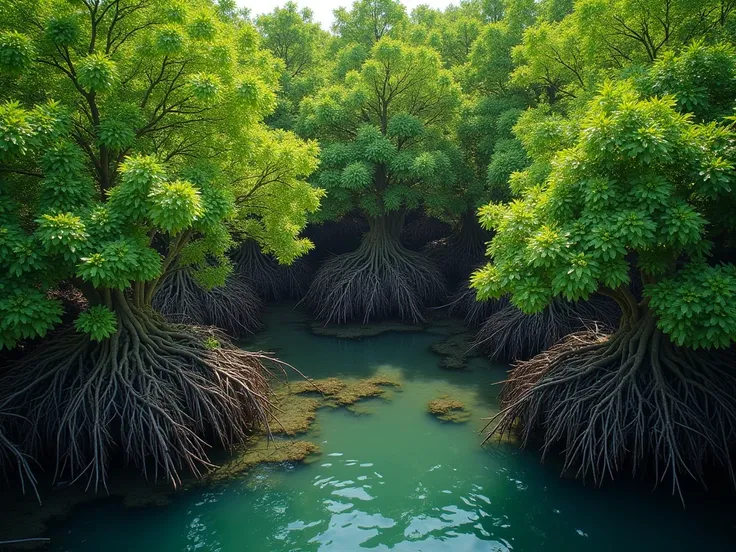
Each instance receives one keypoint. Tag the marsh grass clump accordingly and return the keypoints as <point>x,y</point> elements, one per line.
<point>448,409</point>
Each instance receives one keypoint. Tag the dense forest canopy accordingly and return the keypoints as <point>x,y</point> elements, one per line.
<point>573,160</point>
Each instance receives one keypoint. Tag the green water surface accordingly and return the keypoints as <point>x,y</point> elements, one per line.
<point>397,479</point>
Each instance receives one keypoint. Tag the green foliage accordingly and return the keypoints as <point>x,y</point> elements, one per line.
<point>370,20</point>
<point>632,184</point>
<point>385,131</point>
<point>16,52</point>
<point>98,322</point>
<point>133,143</point>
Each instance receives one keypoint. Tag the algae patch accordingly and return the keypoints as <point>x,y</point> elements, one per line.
<point>337,392</point>
<point>261,450</point>
<point>456,350</point>
<point>448,410</point>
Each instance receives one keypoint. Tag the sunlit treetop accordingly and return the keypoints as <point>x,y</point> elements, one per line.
<point>385,131</point>
<point>117,125</point>
<point>368,21</point>
<point>635,186</point>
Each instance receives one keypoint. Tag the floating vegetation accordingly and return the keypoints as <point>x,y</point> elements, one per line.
<point>448,409</point>
<point>337,392</point>
<point>262,450</point>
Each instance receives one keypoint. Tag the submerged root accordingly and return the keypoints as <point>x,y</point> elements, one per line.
<point>380,280</point>
<point>509,334</point>
<point>234,307</point>
<point>271,280</point>
<point>627,400</point>
<point>153,394</point>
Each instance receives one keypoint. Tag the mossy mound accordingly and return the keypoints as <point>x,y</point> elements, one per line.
<point>339,392</point>
<point>261,451</point>
<point>448,409</point>
<point>456,350</point>
<point>357,331</point>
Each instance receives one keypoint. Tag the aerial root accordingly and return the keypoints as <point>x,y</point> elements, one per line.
<point>234,307</point>
<point>153,394</point>
<point>379,280</point>
<point>629,399</point>
<point>509,334</point>
<point>474,312</point>
<point>271,280</point>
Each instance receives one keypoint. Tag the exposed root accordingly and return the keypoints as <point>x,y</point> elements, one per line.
<point>631,399</point>
<point>464,303</point>
<point>13,459</point>
<point>335,237</point>
<point>234,307</point>
<point>152,394</point>
<point>460,252</point>
<point>509,334</point>
<point>422,230</point>
<point>271,280</point>
<point>380,280</point>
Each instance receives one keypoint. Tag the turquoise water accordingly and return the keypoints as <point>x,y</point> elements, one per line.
<point>395,478</point>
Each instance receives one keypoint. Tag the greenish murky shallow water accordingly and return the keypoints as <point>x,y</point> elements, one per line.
<point>397,479</point>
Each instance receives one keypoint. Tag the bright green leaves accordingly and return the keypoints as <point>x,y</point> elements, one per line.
<point>697,307</point>
<point>118,263</point>
<point>202,28</point>
<point>403,126</point>
<point>702,79</point>
<point>22,131</point>
<point>169,40</point>
<point>98,322</point>
<point>62,31</point>
<point>385,131</point>
<point>16,52</point>
<point>25,312</point>
<point>115,134</point>
<point>204,87</point>
<point>174,206</point>
<point>356,176</point>
<point>63,234</point>
<point>374,147</point>
<point>97,73</point>
<point>627,189</point>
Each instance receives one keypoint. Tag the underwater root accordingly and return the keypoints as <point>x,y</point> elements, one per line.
<point>153,394</point>
<point>379,280</point>
<point>271,280</point>
<point>631,399</point>
<point>509,334</point>
<point>234,307</point>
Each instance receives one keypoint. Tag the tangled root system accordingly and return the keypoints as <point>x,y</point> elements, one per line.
<point>380,280</point>
<point>460,252</point>
<point>508,334</point>
<point>234,307</point>
<point>153,394</point>
<point>631,399</point>
<point>465,304</point>
<point>271,280</point>
<point>13,459</point>
<point>424,229</point>
<point>335,237</point>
